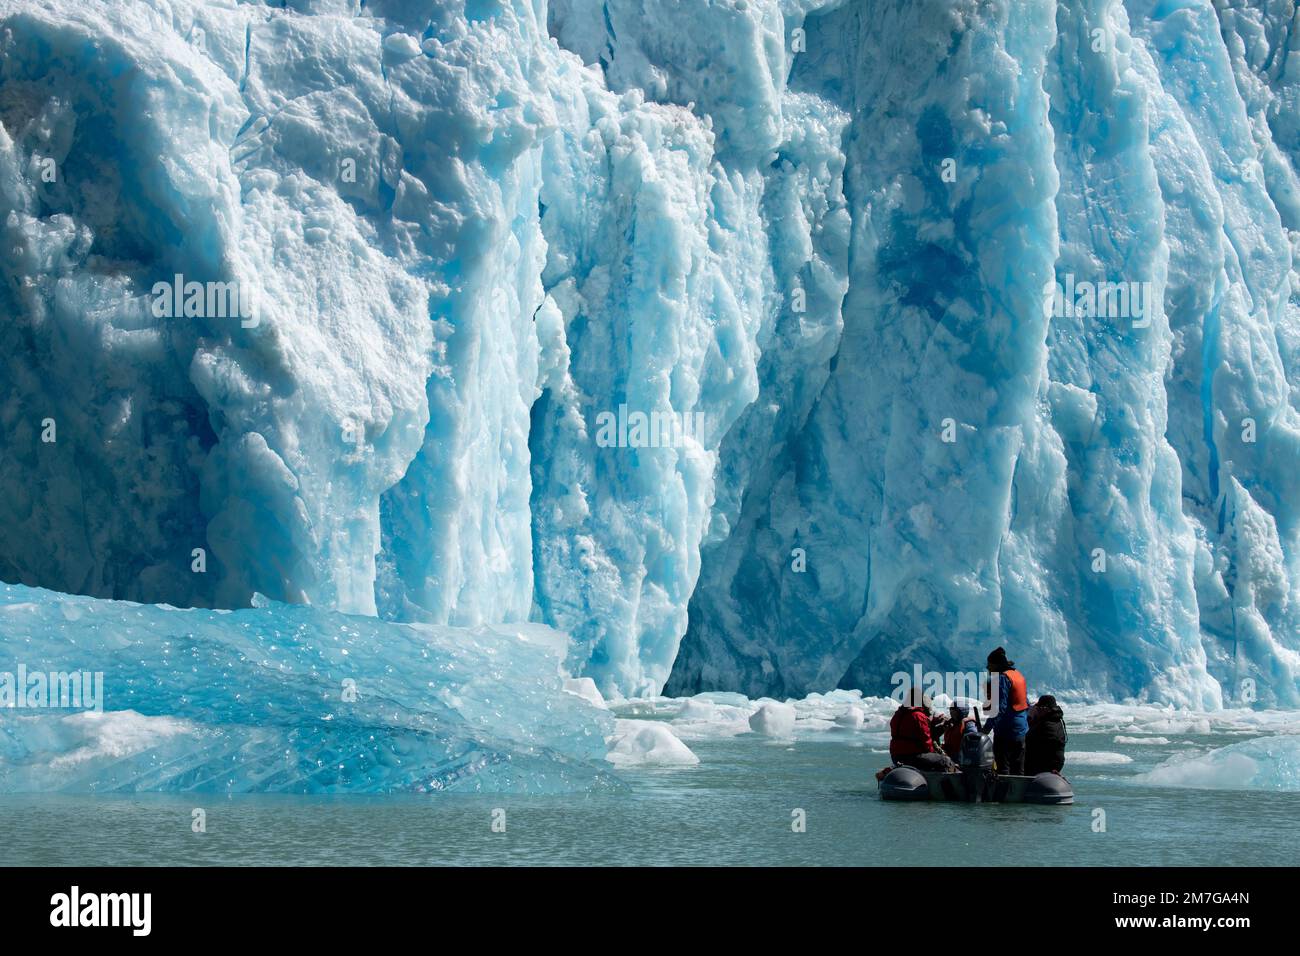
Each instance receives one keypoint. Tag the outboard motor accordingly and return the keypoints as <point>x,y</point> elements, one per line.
<point>976,765</point>
<point>904,783</point>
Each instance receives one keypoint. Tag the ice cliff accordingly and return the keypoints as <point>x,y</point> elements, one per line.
<point>486,252</point>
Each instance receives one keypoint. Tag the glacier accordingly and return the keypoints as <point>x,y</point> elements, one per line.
<point>1076,440</point>
<point>827,229</point>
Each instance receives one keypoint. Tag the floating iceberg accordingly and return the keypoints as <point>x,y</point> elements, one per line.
<point>289,699</point>
<point>647,743</point>
<point>773,719</point>
<point>1266,763</point>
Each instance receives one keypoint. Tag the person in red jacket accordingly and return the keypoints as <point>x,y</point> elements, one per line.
<point>910,742</point>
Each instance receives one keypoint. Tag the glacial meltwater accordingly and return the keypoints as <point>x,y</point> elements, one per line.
<point>740,805</point>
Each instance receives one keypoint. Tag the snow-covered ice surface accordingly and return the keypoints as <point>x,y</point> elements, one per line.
<point>291,699</point>
<point>468,231</point>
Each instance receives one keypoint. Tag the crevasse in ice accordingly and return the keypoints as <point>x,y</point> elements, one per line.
<point>473,232</point>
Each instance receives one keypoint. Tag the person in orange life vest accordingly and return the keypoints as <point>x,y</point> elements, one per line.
<point>961,721</point>
<point>1011,723</point>
<point>909,731</point>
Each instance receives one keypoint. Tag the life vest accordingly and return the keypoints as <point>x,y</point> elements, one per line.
<point>952,737</point>
<point>1019,696</point>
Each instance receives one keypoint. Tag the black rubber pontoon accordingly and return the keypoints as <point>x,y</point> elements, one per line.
<point>908,783</point>
<point>905,783</point>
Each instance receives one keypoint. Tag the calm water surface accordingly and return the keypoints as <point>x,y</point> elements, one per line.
<point>735,808</point>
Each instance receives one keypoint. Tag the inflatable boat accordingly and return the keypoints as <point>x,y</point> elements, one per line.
<point>908,783</point>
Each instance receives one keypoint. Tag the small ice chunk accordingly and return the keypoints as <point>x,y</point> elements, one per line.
<point>693,709</point>
<point>1096,758</point>
<point>401,46</point>
<point>647,743</point>
<point>1149,741</point>
<point>773,720</point>
<point>850,719</point>
<point>727,698</point>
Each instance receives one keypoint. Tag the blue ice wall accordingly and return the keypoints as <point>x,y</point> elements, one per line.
<point>822,232</point>
<point>1113,507</point>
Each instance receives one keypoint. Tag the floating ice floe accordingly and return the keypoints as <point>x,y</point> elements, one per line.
<point>1095,758</point>
<point>1143,741</point>
<point>1137,719</point>
<point>647,743</point>
<point>848,712</point>
<point>1265,763</point>
<point>773,719</point>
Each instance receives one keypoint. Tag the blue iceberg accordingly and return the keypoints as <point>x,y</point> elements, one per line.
<point>286,699</point>
<point>1267,763</point>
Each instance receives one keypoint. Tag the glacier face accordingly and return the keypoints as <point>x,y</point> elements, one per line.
<point>1101,141</point>
<point>473,232</point>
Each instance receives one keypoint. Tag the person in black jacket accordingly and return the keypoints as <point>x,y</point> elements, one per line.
<point>1045,742</point>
